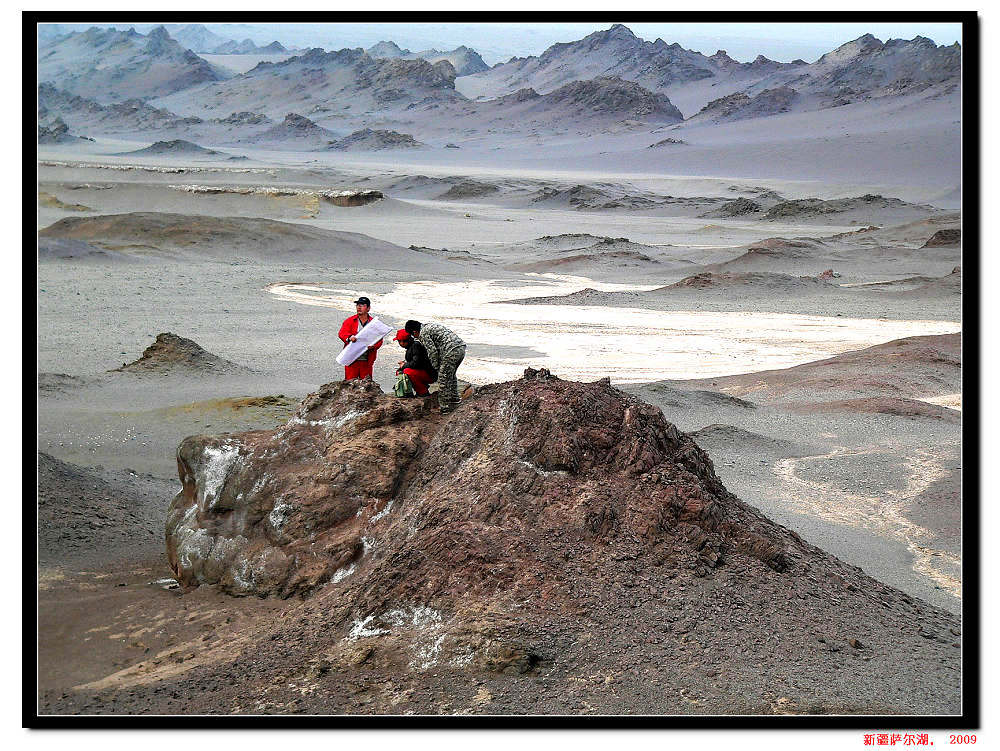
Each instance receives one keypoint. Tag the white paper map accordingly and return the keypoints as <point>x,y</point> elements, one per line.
<point>367,336</point>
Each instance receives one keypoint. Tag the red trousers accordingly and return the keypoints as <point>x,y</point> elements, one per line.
<point>420,379</point>
<point>358,369</point>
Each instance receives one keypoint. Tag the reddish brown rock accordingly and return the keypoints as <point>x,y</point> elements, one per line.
<point>422,507</point>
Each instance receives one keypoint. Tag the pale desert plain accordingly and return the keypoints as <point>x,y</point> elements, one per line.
<point>708,459</point>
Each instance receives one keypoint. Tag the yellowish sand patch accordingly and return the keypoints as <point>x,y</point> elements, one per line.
<point>49,201</point>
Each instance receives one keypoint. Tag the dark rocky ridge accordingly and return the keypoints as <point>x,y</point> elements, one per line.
<point>249,47</point>
<point>750,282</point>
<point>912,368</point>
<point>863,69</point>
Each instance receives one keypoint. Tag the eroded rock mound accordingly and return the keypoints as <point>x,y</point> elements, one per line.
<point>176,146</point>
<point>57,132</point>
<point>740,106</point>
<point>171,352</point>
<point>351,198</point>
<point>739,207</point>
<point>412,506</point>
<point>375,140</point>
<point>944,237</point>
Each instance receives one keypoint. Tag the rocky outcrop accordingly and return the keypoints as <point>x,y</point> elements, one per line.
<point>944,238</point>
<point>613,95</point>
<point>740,106</point>
<point>351,198</point>
<point>415,506</point>
<point>375,140</point>
<point>55,132</point>
<point>739,207</point>
<point>343,81</point>
<point>751,282</point>
<point>464,60</point>
<point>813,207</point>
<point>668,142</point>
<point>521,95</point>
<point>295,129</point>
<point>175,353</point>
<point>249,47</point>
<point>386,49</point>
<point>175,146</point>
<point>866,67</point>
<point>243,118</point>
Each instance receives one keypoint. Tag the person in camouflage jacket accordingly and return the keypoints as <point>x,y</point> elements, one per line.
<point>446,351</point>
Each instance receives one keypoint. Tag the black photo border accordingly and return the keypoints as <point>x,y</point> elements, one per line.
<point>970,717</point>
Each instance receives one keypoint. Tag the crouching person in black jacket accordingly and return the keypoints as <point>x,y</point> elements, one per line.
<point>417,365</point>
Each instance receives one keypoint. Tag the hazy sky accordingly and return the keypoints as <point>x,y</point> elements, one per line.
<point>498,42</point>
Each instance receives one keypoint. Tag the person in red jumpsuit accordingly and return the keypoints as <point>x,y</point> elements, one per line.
<point>417,364</point>
<point>362,367</point>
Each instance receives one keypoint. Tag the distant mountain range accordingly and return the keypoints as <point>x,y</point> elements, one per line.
<point>607,77</point>
<point>198,38</point>
<point>617,52</point>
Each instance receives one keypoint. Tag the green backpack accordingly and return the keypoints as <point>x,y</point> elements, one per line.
<point>404,386</point>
